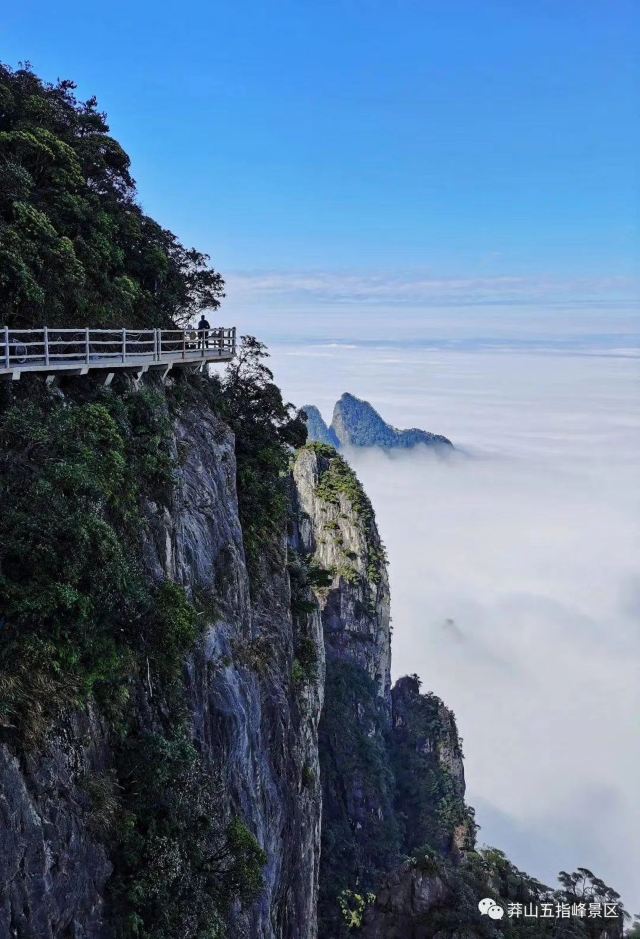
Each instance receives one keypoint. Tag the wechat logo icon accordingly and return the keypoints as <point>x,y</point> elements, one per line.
<point>490,908</point>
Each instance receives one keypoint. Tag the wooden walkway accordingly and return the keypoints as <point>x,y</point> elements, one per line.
<point>53,351</point>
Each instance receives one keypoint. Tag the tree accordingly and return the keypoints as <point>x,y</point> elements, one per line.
<point>75,247</point>
<point>634,931</point>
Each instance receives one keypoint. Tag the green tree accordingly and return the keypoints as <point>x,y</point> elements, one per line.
<point>75,247</point>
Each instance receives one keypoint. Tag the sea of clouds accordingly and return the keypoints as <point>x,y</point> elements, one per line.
<point>515,576</point>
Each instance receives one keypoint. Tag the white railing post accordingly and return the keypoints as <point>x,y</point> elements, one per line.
<point>159,331</point>
<point>87,346</point>
<point>6,347</point>
<point>184,342</point>
<point>124,345</point>
<point>46,345</point>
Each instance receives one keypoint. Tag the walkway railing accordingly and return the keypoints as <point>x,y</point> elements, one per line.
<point>53,349</point>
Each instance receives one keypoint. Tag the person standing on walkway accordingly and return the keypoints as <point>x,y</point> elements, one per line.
<point>203,333</point>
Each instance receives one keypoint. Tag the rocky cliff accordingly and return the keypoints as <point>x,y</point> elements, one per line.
<point>251,714</point>
<point>339,532</point>
<point>359,834</point>
<point>391,764</point>
<point>252,717</point>
<point>239,726</point>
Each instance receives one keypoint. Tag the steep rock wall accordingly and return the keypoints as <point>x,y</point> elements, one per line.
<point>253,717</point>
<point>391,762</point>
<point>338,530</point>
<point>429,773</point>
<point>339,534</point>
<point>53,866</point>
<point>248,716</point>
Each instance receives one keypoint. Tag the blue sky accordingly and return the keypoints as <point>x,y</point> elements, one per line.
<point>458,141</point>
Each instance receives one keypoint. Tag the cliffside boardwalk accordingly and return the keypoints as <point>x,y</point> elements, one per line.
<point>53,351</point>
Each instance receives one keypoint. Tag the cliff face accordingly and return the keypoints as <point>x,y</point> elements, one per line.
<point>250,716</point>
<point>254,721</point>
<point>405,906</point>
<point>359,831</point>
<point>53,867</point>
<point>295,751</point>
<point>391,764</point>
<point>338,530</point>
<point>429,773</point>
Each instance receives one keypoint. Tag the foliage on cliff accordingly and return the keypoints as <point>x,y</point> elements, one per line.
<point>77,613</point>
<point>178,865</point>
<point>75,247</point>
<point>391,789</point>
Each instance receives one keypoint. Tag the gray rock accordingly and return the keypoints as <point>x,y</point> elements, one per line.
<point>252,719</point>
<point>53,869</point>
<point>355,608</point>
<point>254,724</point>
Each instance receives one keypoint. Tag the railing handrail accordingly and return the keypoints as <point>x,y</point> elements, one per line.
<point>82,329</point>
<point>50,345</point>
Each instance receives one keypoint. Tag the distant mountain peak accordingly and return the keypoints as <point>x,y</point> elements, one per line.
<point>356,423</point>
